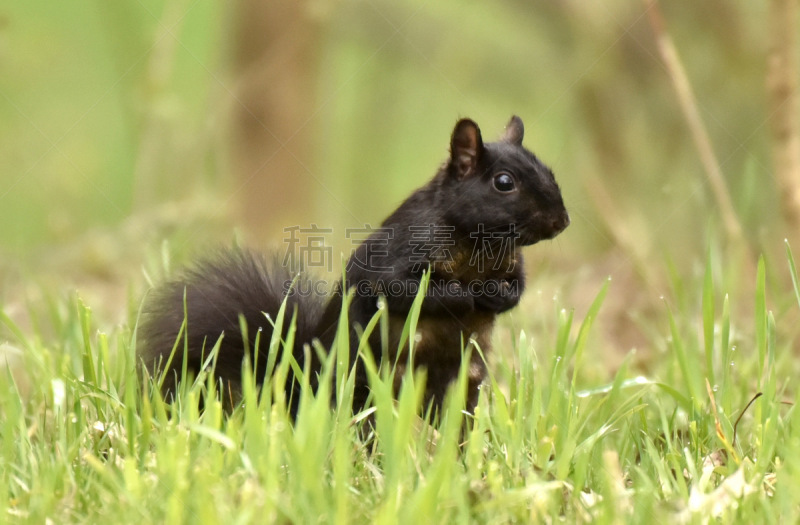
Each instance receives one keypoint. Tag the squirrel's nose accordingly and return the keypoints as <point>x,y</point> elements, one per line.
<point>561,223</point>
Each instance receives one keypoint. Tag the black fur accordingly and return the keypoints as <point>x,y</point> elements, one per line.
<point>484,203</point>
<point>218,290</point>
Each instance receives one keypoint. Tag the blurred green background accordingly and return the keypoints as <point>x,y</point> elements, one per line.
<point>126,123</point>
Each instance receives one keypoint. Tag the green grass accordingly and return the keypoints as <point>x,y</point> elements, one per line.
<point>116,136</point>
<point>83,439</point>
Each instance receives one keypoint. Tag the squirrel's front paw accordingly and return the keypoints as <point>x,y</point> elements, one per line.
<point>498,295</point>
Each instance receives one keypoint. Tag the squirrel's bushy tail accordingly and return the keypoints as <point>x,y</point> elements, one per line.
<point>218,290</point>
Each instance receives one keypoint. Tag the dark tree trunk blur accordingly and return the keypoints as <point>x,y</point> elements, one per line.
<point>783,98</point>
<point>275,56</point>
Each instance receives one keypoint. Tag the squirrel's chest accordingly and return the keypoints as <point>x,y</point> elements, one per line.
<point>438,341</point>
<point>439,346</point>
<point>469,265</point>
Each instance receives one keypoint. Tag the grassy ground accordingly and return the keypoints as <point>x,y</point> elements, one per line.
<point>84,440</point>
<point>117,126</point>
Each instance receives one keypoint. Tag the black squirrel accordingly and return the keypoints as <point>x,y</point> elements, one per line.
<point>463,226</point>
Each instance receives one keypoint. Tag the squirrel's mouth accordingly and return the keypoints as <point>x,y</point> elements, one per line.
<point>540,227</point>
<point>543,228</point>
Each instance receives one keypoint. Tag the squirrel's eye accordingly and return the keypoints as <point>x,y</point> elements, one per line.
<point>504,182</point>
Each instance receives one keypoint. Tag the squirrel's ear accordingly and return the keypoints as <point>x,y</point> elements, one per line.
<point>466,148</point>
<point>514,131</point>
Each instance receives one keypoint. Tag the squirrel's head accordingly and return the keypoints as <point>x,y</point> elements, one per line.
<point>500,187</point>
